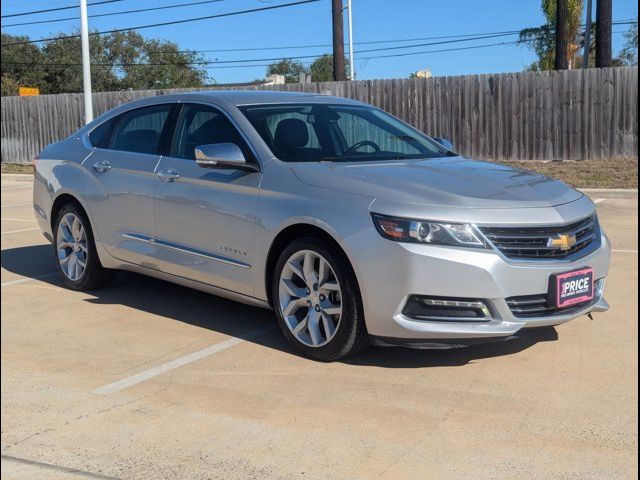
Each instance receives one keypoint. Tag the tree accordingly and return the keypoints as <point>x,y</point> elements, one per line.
<point>167,65</point>
<point>322,69</point>
<point>629,53</point>
<point>63,66</point>
<point>291,69</point>
<point>10,86</point>
<point>19,65</point>
<point>119,61</point>
<point>542,38</point>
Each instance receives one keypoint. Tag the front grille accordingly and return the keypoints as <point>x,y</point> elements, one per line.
<point>532,242</point>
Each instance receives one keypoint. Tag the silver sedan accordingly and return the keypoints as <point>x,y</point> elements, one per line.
<point>354,227</point>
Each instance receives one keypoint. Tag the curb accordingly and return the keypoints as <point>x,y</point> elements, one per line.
<point>610,192</point>
<point>20,177</point>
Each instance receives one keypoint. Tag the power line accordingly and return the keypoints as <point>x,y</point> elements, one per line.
<point>162,24</point>
<point>238,63</point>
<point>300,57</point>
<point>217,62</point>
<point>320,45</point>
<point>471,47</point>
<point>46,10</point>
<point>216,65</point>
<point>293,47</point>
<point>165,7</point>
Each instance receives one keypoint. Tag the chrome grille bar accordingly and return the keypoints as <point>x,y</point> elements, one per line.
<point>532,242</point>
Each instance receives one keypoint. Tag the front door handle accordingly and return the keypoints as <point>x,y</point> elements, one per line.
<point>102,167</point>
<point>168,175</point>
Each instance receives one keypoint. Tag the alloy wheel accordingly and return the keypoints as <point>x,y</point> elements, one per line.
<point>310,298</point>
<point>71,246</point>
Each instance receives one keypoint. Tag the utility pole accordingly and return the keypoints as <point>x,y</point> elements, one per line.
<point>86,60</point>
<point>352,63</point>
<point>338,41</point>
<point>561,35</point>
<point>587,37</point>
<point>603,33</point>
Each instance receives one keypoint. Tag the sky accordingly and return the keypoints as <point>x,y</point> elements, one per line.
<point>309,25</point>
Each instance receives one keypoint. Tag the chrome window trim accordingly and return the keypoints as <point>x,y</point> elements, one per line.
<point>183,249</point>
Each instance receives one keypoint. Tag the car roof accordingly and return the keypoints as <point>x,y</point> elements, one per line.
<point>223,98</point>
<point>245,97</point>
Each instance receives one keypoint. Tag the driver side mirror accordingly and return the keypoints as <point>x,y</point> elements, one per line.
<point>444,142</point>
<point>222,155</point>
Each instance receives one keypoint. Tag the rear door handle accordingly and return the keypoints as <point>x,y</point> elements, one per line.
<point>102,167</point>
<point>168,175</point>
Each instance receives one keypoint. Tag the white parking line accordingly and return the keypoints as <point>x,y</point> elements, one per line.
<point>16,219</point>
<point>598,200</point>
<point>21,230</point>
<point>179,362</point>
<point>625,251</point>
<point>25,280</point>
<point>17,205</point>
<point>57,468</point>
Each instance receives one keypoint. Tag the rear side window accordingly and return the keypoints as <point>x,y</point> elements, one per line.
<point>100,136</point>
<point>140,130</point>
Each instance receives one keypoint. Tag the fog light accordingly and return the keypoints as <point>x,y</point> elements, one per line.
<point>420,307</point>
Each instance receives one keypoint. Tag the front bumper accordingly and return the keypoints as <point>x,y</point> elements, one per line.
<point>390,272</point>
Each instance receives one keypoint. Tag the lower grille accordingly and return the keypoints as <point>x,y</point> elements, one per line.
<point>534,242</point>
<point>527,306</point>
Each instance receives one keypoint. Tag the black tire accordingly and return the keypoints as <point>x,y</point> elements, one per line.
<point>351,334</point>
<point>95,275</point>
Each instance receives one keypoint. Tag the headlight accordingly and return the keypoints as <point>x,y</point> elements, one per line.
<point>424,231</point>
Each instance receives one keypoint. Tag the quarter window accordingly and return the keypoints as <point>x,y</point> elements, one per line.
<point>204,125</point>
<point>140,130</point>
<point>100,136</point>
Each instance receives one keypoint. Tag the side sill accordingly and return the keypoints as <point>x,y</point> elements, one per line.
<point>203,287</point>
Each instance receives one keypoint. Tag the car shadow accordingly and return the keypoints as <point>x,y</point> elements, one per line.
<point>234,319</point>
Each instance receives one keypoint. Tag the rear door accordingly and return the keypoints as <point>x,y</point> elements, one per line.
<point>205,218</point>
<point>124,167</point>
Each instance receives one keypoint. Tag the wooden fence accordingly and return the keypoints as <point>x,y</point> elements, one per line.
<point>563,115</point>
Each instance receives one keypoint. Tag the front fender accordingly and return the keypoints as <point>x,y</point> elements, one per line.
<point>285,201</point>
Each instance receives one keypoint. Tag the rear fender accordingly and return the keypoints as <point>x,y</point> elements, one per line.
<point>73,179</point>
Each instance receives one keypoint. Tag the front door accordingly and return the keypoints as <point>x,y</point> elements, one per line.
<point>205,218</point>
<point>123,211</point>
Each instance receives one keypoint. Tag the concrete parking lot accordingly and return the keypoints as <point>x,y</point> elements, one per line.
<point>145,379</point>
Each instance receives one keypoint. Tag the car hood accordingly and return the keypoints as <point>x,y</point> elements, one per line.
<point>450,181</point>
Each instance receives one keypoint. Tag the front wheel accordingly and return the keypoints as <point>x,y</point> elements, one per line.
<point>77,260</point>
<point>317,301</point>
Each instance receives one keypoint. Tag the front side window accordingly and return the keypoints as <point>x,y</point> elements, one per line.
<point>140,130</point>
<point>349,133</point>
<point>204,125</point>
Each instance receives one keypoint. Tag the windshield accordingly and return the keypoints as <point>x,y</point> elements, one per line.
<point>347,133</point>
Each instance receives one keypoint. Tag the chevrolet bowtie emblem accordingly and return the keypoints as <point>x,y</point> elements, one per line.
<point>562,241</point>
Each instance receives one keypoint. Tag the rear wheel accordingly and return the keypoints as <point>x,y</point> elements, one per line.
<point>77,261</point>
<point>317,301</point>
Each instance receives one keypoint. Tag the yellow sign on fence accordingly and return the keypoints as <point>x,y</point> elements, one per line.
<point>28,91</point>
